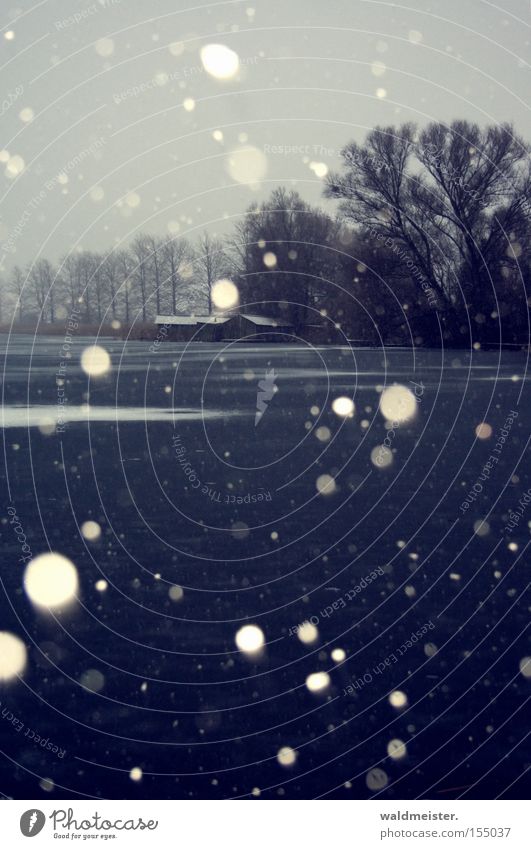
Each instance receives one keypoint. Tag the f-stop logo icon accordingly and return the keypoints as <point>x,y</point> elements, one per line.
<point>32,822</point>
<point>266,390</point>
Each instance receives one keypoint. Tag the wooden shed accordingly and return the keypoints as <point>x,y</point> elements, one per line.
<point>196,328</point>
<point>220,328</point>
<point>256,328</point>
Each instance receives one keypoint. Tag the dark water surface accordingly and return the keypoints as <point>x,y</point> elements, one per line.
<point>164,454</point>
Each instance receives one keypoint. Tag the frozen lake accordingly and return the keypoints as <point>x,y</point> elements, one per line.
<point>230,489</point>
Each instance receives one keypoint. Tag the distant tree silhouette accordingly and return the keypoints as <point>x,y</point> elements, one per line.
<point>280,252</point>
<point>177,255</point>
<point>209,264</point>
<point>451,200</point>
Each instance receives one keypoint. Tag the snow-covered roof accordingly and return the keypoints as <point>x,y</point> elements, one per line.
<point>191,320</point>
<point>194,320</point>
<point>266,321</point>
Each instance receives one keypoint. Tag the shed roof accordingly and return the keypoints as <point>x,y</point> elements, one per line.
<point>194,320</point>
<point>191,320</point>
<point>266,320</point>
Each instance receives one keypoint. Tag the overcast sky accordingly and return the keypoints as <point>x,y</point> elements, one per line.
<point>111,124</point>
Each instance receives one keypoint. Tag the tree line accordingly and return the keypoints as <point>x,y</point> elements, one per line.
<point>431,238</point>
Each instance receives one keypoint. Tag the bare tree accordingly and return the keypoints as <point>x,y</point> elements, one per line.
<point>176,254</point>
<point>283,253</point>
<point>3,290</point>
<point>479,186</point>
<point>86,272</point>
<point>210,263</point>
<point>111,272</point>
<point>41,281</point>
<point>99,288</point>
<point>141,253</point>
<point>440,201</point>
<point>18,288</point>
<point>157,268</point>
<point>71,280</point>
<point>125,276</point>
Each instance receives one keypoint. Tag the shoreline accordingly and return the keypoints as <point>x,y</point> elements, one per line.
<point>142,333</point>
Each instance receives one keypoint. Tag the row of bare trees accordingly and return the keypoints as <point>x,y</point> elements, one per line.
<point>152,276</point>
<point>432,237</point>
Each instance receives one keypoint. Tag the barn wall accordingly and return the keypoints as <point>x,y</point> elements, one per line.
<point>199,333</point>
<point>210,333</point>
<point>239,327</point>
<point>180,332</point>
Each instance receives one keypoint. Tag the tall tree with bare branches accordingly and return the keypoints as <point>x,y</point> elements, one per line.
<point>449,201</point>
<point>210,264</point>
